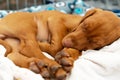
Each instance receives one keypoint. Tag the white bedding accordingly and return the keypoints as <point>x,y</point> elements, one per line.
<point>103,64</point>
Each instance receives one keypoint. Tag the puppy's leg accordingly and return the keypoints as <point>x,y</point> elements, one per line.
<point>7,47</point>
<point>66,58</point>
<point>12,52</point>
<point>57,31</point>
<point>46,67</point>
<point>23,61</point>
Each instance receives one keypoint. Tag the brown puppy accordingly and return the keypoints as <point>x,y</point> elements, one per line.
<point>25,34</point>
<point>97,29</point>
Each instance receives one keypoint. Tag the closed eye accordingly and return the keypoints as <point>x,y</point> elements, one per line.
<point>84,27</point>
<point>74,29</point>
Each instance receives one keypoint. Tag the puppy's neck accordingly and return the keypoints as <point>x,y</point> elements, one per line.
<point>71,21</point>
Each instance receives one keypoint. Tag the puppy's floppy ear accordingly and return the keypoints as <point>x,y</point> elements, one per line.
<point>88,13</point>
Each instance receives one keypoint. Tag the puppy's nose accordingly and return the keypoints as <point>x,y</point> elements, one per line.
<point>67,43</point>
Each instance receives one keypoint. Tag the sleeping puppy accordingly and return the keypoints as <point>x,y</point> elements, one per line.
<point>97,29</point>
<point>25,35</point>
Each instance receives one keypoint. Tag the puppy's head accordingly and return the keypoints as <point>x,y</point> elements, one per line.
<point>96,29</point>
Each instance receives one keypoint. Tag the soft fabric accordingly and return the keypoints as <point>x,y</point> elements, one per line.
<point>68,6</point>
<point>103,64</point>
<point>9,71</point>
<point>98,65</point>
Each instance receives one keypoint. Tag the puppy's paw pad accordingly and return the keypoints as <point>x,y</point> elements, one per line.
<point>33,67</point>
<point>45,73</point>
<point>61,74</point>
<point>41,64</point>
<point>57,71</point>
<point>54,68</point>
<point>65,60</point>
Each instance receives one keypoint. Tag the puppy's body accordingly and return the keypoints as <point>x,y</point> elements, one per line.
<point>26,34</point>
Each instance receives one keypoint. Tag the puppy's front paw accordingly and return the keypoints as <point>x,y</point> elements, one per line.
<point>48,69</point>
<point>40,67</point>
<point>65,60</point>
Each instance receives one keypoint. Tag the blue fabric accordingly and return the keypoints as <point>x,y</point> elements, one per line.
<point>67,6</point>
<point>116,11</point>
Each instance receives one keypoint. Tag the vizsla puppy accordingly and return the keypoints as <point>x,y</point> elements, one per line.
<point>97,29</point>
<point>26,35</point>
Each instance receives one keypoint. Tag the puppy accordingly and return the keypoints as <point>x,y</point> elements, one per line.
<point>97,29</point>
<point>25,35</point>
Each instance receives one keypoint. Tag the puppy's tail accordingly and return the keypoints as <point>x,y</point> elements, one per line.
<point>7,47</point>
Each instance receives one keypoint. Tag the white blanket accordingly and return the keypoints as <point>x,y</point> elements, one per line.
<point>103,64</point>
<point>9,71</point>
